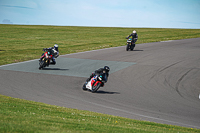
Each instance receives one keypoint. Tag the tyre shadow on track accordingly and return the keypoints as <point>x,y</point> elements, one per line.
<point>137,50</point>
<point>106,92</point>
<point>55,69</point>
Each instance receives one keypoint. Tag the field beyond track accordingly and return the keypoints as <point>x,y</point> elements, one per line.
<point>25,42</point>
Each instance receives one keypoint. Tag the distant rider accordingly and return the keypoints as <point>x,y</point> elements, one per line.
<point>52,51</point>
<point>104,72</point>
<point>134,37</point>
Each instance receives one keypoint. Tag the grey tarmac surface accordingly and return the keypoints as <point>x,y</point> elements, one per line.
<point>158,82</point>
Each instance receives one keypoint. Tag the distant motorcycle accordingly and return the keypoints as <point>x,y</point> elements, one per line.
<point>45,61</point>
<point>94,84</point>
<point>129,45</point>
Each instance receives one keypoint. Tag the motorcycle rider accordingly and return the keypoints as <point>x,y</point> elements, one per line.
<point>104,72</point>
<point>52,51</point>
<point>134,37</point>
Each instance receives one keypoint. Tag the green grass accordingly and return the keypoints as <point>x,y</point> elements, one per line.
<point>17,115</point>
<point>25,42</point>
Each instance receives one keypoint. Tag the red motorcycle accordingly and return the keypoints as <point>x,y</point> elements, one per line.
<point>45,59</point>
<point>94,84</point>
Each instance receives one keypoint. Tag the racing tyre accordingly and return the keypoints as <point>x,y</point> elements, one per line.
<point>127,47</point>
<point>95,88</point>
<point>41,65</point>
<point>84,87</point>
<point>132,47</point>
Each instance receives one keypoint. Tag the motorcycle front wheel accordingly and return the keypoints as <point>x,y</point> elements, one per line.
<point>41,63</point>
<point>127,47</point>
<point>84,87</point>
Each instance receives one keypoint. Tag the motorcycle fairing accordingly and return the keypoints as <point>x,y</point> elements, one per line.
<point>91,82</point>
<point>48,56</point>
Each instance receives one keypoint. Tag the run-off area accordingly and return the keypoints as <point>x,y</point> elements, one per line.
<point>68,66</point>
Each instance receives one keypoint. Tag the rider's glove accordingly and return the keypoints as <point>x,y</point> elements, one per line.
<point>44,49</point>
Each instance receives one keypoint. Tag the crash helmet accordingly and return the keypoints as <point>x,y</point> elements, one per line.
<point>106,68</point>
<point>56,47</point>
<point>134,31</point>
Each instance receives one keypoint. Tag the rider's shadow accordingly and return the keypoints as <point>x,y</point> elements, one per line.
<point>106,92</point>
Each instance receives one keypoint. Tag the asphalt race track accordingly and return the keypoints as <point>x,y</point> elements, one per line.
<point>157,82</point>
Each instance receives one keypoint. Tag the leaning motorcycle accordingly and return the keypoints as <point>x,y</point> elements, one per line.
<point>130,45</point>
<point>45,61</point>
<point>94,84</point>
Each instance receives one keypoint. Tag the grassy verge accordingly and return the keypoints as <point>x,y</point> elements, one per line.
<point>25,42</point>
<point>17,115</point>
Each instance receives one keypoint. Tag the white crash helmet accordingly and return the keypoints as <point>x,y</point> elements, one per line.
<point>56,47</point>
<point>134,31</point>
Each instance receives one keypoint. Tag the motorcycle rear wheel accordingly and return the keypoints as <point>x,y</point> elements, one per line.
<point>132,47</point>
<point>95,88</point>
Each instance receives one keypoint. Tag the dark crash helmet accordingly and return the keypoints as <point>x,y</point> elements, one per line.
<point>106,68</point>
